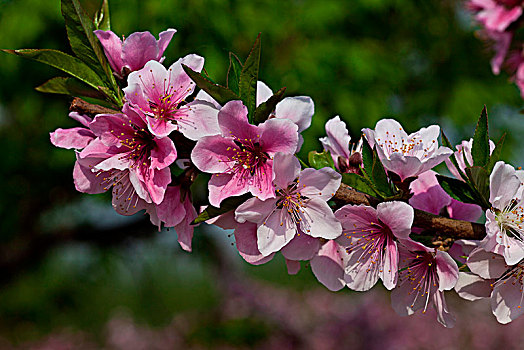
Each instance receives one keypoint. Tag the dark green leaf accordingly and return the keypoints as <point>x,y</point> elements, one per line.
<point>495,155</point>
<point>480,148</point>
<point>69,64</point>
<point>249,78</point>
<point>359,183</point>
<point>379,176</point>
<point>264,110</point>
<point>480,179</point>
<point>102,20</point>
<point>221,94</point>
<point>233,73</point>
<point>457,189</point>
<point>367,159</point>
<point>69,86</point>
<point>83,42</point>
<point>226,205</point>
<point>320,160</point>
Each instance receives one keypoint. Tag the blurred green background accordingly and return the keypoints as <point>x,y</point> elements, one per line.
<point>70,274</point>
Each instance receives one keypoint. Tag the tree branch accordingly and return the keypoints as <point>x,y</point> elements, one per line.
<point>445,227</point>
<point>84,107</point>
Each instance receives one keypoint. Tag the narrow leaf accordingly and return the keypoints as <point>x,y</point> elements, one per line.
<point>83,42</point>
<point>71,87</point>
<point>102,20</point>
<point>60,60</point>
<point>495,155</point>
<point>457,189</point>
<point>264,110</point>
<point>248,79</point>
<point>221,94</point>
<point>226,205</point>
<point>320,160</point>
<point>367,159</point>
<point>359,183</point>
<point>233,73</point>
<point>452,158</point>
<point>480,148</point>
<point>480,179</point>
<point>379,176</point>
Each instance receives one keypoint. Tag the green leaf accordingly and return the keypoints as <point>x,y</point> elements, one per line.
<point>457,189</point>
<point>221,94</point>
<point>71,87</point>
<point>102,20</point>
<point>480,148</point>
<point>480,179</point>
<point>495,155</point>
<point>379,176</point>
<point>233,73</point>
<point>66,63</point>
<point>264,110</point>
<point>83,42</point>
<point>359,183</point>
<point>249,78</point>
<point>367,159</point>
<point>320,160</point>
<point>226,205</point>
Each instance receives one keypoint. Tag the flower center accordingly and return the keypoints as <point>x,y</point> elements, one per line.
<point>511,220</point>
<point>421,273</point>
<point>248,157</point>
<point>139,143</point>
<point>413,146</point>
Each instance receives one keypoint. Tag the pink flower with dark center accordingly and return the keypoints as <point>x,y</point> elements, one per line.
<point>370,237</point>
<point>160,94</point>
<point>337,143</point>
<point>134,52</point>
<point>424,275</point>
<point>403,154</point>
<point>130,146</point>
<point>300,207</point>
<point>505,220</point>
<point>241,158</point>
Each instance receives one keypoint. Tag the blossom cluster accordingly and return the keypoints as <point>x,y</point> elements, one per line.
<point>166,134</point>
<point>500,21</point>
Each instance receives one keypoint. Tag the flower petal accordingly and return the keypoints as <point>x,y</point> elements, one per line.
<point>322,183</point>
<point>299,110</point>
<point>327,266</point>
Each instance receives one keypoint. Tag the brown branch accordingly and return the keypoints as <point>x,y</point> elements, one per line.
<point>83,107</point>
<point>445,227</point>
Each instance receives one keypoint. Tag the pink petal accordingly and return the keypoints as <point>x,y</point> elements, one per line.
<point>163,41</point>
<point>299,110</point>
<point>464,211</point>
<point>232,119</point>
<point>178,78</point>
<point>427,193</point>
<point>171,211</point>
<point>184,229</point>
<point>322,183</point>
<point>112,47</point>
<point>286,169</point>
<point>506,302</point>
<point>150,79</point>
<point>85,180</point>
<point>444,316</point>
<point>319,220</point>
<point>76,138</point>
<point>337,139</point>
<point>157,184</point>
<point>273,234</point>
<point>327,266</point>
<point>361,273</point>
<point>301,247</point>
<point>461,248</point>
<point>472,287</point>
<point>261,184</point>
<point>81,118</point>
<point>204,96</point>
<point>222,186</point>
<point>160,127</point>
<point>447,271</point>
<point>398,216</point>
<point>212,154</point>
<point>255,210</point>
<point>163,154</point>
<point>246,242</point>
<point>390,268</point>
<point>503,184</point>
<point>138,49</point>
<point>278,135</point>
<point>202,120</point>
<point>485,264</point>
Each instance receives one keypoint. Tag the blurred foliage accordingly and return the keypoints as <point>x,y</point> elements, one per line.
<point>363,60</point>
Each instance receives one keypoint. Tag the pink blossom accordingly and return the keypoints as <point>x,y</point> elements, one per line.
<point>491,277</point>
<point>299,109</point>
<point>159,93</point>
<point>464,157</point>
<point>135,51</point>
<point>337,143</point>
<point>403,154</point>
<point>328,265</point>
<point>495,15</point>
<point>370,237</point>
<point>424,275</point>
<point>300,208</point>
<point>504,221</point>
<point>125,144</point>
<point>241,158</point>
